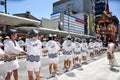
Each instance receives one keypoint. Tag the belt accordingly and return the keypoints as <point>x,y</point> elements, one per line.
<point>53,55</point>
<point>9,59</point>
<point>33,58</point>
<point>76,52</point>
<point>67,52</point>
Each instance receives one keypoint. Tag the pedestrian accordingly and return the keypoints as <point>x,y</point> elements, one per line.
<point>53,49</point>
<point>12,48</point>
<point>21,43</point>
<point>6,39</point>
<point>3,55</point>
<point>84,51</point>
<point>77,52</point>
<point>67,47</point>
<point>44,42</point>
<point>34,51</point>
<point>91,48</point>
<point>110,55</point>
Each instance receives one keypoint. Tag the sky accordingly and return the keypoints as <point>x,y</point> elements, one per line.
<point>43,8</point>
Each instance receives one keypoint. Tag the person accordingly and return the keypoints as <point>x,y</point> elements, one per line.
<point>110,54</point>
<point>53,49</point>
<point>67,47</point>
<point>3,55</point>
<point>44,46</point>
<point>6,39</point>
<point>77,53</point>
<point>21,43</point>
<point>34,50</point>
<point>84,51</point>
<point>12,48</point>
<point>91,48</point>
<point>1,43</point>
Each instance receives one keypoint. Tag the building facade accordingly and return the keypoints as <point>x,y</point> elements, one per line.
<point>76,8</point>
<point>69,23</point>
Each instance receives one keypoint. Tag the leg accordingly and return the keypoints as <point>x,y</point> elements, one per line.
<point>15,74</point>
<point>55,68</point>
<point>65,64</point>
<point>37,74</point>
<point>30,75</point>
<point>8,77</point>
<point>50,68</point>
<point>69,64</point>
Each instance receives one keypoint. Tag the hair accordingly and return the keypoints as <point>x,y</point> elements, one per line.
<point>33,35</point>
<point>110,40</point>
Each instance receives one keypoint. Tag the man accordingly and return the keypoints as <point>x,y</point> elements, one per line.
<point>3,55</point>
<point>77,53</point>
<point>110,54</point>
<point>21,43</point>
<point>44,45</point>
<point>67,52</point>
<point>53,49</point>
<point>34,50</point>
<point>91,48</point>
<point>12,48</point>
<point>84,51</point>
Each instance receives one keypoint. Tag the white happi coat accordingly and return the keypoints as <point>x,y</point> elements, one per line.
<point>12,47</point>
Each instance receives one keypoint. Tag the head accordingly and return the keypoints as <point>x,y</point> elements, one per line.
<point>55,37</point>
<point>50,36</point>
<point>83,40</point>
<point>0,38</point>
<point>77,40</point>
<point>33,33</point>
<point>12,33</point>
<point>110,40</point>
<point>68,37</point>
<point>90,40</point>
<point>7,37</point>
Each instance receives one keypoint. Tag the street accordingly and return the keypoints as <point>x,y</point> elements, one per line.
<point>96,70</point>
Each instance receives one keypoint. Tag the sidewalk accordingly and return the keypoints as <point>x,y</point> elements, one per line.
<point>97,70</point>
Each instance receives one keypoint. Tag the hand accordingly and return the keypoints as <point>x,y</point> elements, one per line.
<point>1,57</point>
<point>10,55</point>
<point>22,53</point>
<point>44,51</point>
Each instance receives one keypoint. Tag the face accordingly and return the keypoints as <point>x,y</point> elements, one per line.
<point>14,36</point>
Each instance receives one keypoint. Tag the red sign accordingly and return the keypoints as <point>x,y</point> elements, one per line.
<point>79,21</point>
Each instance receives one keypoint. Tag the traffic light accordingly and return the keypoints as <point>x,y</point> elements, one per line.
<point>99,8</point>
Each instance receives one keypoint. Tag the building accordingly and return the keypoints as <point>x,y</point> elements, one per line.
<point>69,23</point>
<point>80,9</point>
<point>99,7</point>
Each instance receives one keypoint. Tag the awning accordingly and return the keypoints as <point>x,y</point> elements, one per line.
<point>61,33</point>
<point>6,19</point>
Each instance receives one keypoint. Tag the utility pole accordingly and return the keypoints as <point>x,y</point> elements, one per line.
<point>4,3</point>
<point>68,13</point>
<point>5,6</point>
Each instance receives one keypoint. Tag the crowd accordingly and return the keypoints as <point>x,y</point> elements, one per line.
<point>74,51</point>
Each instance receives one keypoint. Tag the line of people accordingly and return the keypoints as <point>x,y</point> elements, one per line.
<point>74,52</point>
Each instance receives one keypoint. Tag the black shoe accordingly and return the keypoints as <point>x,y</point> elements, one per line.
<point>114,70</point>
